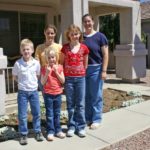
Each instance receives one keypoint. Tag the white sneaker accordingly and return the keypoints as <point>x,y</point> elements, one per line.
<point>70,133</point>
<point>50,137</point>
<point>94,125</point>
<point>82,133</point>
<point>60,135</point>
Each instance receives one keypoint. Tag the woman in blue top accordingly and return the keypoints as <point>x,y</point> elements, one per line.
<point>96,71</point>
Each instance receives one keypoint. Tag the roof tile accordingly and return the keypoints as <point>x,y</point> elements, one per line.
<point>145,10</point>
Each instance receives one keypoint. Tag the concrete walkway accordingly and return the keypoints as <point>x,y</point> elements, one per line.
<point>144,90</point>
<point>116,125</point>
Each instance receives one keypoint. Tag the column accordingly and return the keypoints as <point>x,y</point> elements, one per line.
<point>3,64</point>
<point>71,13</point>
<point>131,53</point>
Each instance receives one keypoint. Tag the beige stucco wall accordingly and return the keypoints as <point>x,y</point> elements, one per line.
<point>32,9</point>
<point>71,11</point>
<point>130,55</point>
<point>3,64</point>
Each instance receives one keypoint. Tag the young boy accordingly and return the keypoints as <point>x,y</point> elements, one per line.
<point>26,71</point>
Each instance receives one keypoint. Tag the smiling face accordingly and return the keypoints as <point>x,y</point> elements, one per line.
<point>74,36</point>
<point>52,59</point>
<point>49,34</point>
<point>88,23</point>
<point>27,51</point>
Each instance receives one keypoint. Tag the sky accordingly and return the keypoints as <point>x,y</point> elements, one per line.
<point>144,0</point>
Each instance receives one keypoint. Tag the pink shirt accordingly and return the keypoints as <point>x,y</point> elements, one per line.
<point>53,85</point>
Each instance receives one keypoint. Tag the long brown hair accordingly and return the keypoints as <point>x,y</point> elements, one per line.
<point>50,26</point>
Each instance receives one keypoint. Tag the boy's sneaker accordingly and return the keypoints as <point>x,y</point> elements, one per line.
<point>50,137</point>
<point>23,140</point>
<point>82,133</point>
<point>39,137</point>
<point>70,133</point>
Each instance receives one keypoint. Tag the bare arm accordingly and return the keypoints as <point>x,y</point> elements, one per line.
<point>62,57</point>
<point>44,77</point>
<point>105,62</point>
<point>59,54</point>
<point>60,76</point>
<point>85,61</point>
<point>15,78</point>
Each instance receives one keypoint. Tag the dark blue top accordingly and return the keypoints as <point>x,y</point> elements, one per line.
<point>94,43</point>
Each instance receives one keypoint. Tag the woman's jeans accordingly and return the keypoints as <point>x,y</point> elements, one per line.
<point>33,98</point>
<point>75,94</point>
<point>53,109</point>
<point>94,94</point>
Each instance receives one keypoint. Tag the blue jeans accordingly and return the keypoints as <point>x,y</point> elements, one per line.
<point>75,94</point>
<point>53,107</point>
<point>94,94</point>
<point>33,98</point>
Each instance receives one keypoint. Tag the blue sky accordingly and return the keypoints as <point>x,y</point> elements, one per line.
<point>143,0</point>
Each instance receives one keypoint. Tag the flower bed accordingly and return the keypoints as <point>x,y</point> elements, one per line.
<point>113,99</point>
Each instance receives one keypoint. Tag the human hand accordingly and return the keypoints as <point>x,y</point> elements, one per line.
<point>103,75</point>
<point>55,68</point>
<point>48,69</point>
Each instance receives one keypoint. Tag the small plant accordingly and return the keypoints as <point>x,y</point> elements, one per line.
<point>138,99</point>
<point>42,107</point>
<point>132,102</point>
<point>64,117</point>
<point>113,108</point>
<point>3,118</point>
<point>134,93</point>
<point>7,133</point>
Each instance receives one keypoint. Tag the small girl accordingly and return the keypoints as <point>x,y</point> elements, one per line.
<point>52,78</point>
<point>74,58</point>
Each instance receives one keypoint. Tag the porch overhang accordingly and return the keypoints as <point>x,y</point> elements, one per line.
<point>43,3</point>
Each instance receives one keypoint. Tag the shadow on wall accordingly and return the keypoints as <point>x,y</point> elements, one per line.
<point>111,63</point>
<point>143,45</point>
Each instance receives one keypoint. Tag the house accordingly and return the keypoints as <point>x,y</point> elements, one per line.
<point>145,26</point>
<point>26,19</point>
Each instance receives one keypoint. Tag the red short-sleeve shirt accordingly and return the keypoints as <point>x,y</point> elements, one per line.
<point>74,62</point>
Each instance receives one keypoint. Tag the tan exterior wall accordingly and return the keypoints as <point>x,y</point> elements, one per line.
<point>32,9</point>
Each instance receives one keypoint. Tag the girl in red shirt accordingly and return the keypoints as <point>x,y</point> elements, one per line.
<point>52,78</point>
<point>74,59</point>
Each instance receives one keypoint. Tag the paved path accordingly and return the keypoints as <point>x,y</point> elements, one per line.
<point>116,125</point>
<point>144,90</point>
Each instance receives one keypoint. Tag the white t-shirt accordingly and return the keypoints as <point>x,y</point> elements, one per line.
<point>27,74</point>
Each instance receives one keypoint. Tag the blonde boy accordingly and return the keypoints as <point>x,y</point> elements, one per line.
<point>26,71</point>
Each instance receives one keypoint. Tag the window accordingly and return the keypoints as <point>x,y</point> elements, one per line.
<point>32,27</point>
<point>15,26</point>
<point>9,34</point>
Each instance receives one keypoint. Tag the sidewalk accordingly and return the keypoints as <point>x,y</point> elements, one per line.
<point>116,125</point>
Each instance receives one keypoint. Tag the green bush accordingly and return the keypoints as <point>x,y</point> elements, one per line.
<point>110,26</point>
